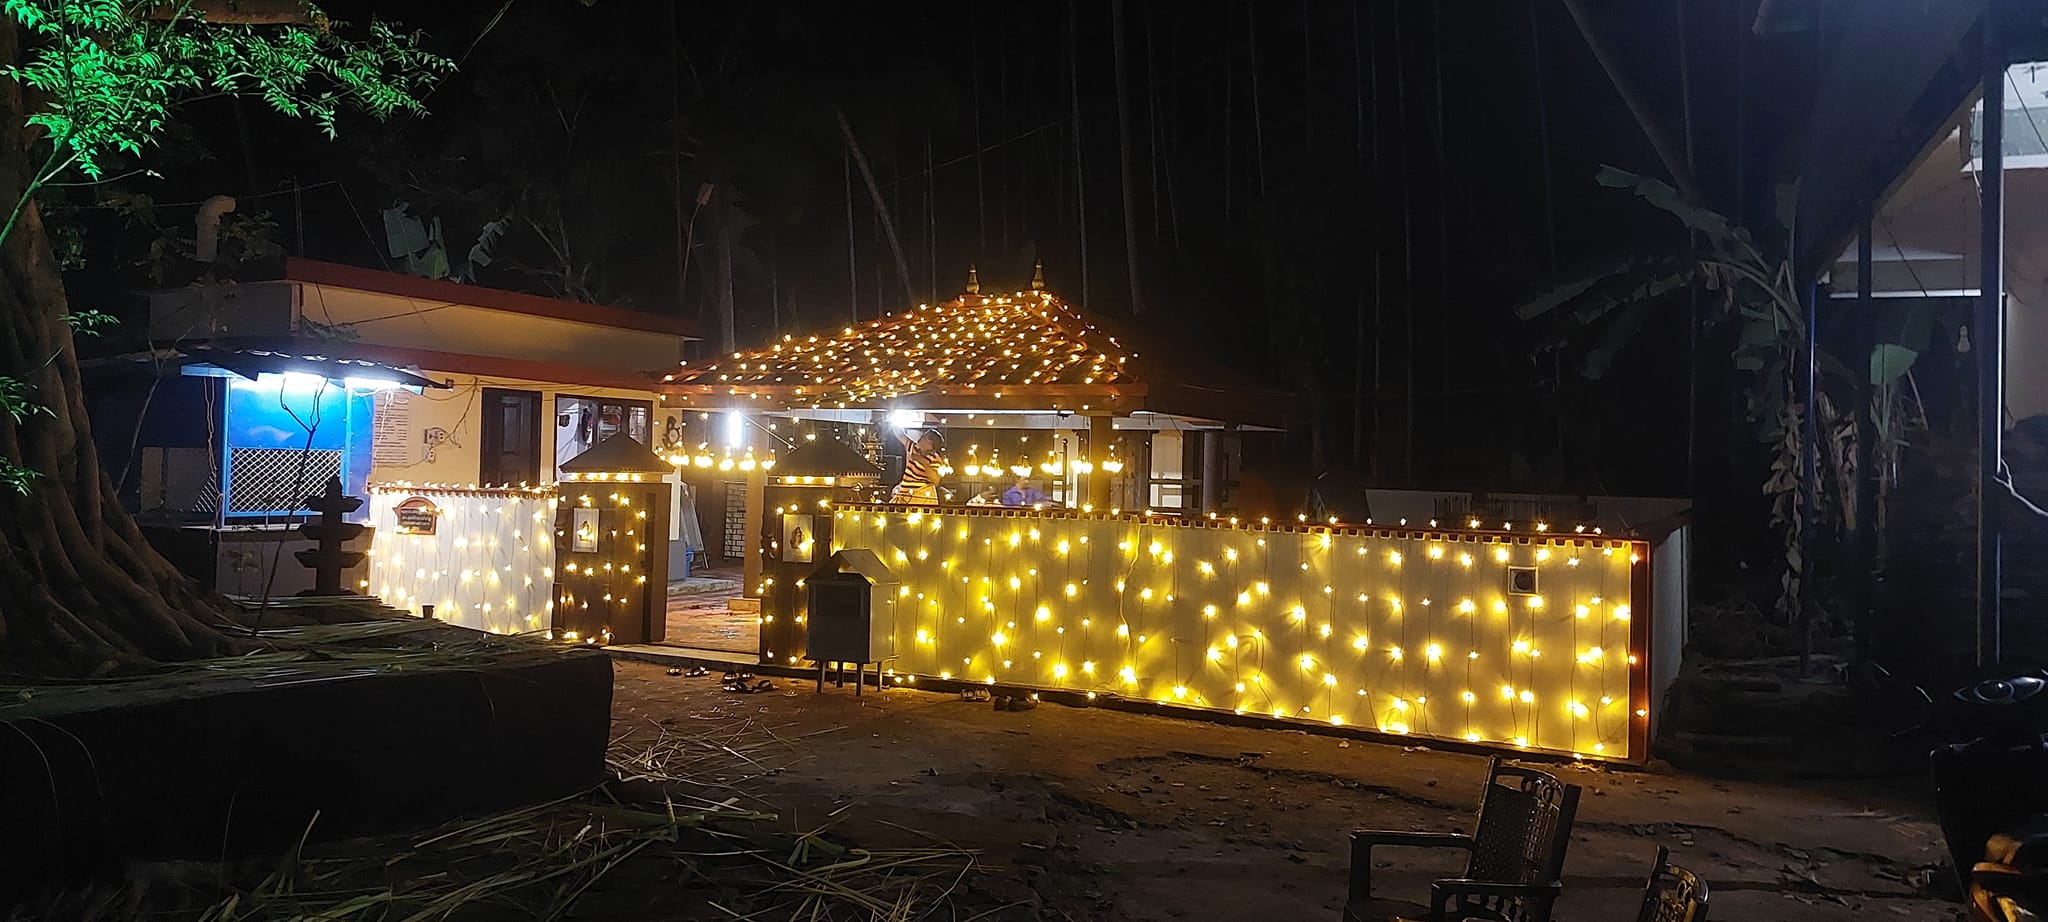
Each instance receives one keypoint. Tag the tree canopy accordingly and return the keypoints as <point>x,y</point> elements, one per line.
<point>95,86</point>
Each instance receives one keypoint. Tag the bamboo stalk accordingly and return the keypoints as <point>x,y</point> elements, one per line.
<point>1251,41</point>
<point>1123,131</point>
<point>1653,130</point>
<point>1080,165</point>
<point>1407,260</point>
<point>1152,132</point>
<point>852,263</point>
<point>867,176</point>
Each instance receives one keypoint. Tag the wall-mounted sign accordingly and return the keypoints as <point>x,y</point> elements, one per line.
<point>797,538</point>
<point>584,525</point>
<point>417,516</point>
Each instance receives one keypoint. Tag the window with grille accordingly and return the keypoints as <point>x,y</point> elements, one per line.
<point>276,481</point>
<point>284,437</point>
<point>1168,483</point>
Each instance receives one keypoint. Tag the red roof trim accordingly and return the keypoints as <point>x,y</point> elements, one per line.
<point>315,272</point>
<point>486,366</point>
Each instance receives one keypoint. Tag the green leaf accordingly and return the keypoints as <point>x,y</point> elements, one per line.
<point>15,399</point>
<point>1908,323</point>
<point>17,478</point>
<point>88,323</point>
<point>1888,361</point>
<point>110,77</point>
<point>1667,199</point>
<point>1564,294</point>
<point>1618,335</point>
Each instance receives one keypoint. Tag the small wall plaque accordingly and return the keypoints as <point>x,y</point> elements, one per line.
<point>798,536</point>
<point>584,521</point>
<point>417,516</point>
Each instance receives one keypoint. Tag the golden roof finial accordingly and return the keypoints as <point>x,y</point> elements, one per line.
<point>1038,276</point>
<point>973,280</point>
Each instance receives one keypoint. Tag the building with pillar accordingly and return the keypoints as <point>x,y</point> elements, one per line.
<point>1087,412</point>
<point>1067,549</point>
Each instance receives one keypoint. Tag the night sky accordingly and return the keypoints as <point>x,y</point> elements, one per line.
<point>1322,194</point>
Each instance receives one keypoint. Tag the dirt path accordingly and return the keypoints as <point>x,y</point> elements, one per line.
<point>1097,814</point>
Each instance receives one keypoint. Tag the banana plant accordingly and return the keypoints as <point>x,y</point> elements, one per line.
<point>420,248</point>
<point>1600,314</point>
<point>1901,333</point>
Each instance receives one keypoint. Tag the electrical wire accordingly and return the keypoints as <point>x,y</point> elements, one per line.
<point>2004,479</point>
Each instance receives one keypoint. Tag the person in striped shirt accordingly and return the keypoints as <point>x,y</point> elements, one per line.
<point>922,457</point>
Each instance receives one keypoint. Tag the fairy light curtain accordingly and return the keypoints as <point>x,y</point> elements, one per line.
<point>488,563</point>
<point>1521,640</point>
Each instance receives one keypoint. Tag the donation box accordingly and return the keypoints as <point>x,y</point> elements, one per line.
<point>852,609</point>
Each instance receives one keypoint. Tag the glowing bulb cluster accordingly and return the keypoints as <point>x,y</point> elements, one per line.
<point>488,565</point>
<point>1390,630</point>
<point>973,345</point>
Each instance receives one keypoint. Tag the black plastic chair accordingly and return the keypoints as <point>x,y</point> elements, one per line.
<point>1674,894</point>
<point>1515,855</point>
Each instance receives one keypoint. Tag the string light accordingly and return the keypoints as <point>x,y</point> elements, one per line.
<point>1111,592</point>
<point>984,346</point>
<point>479,564</point>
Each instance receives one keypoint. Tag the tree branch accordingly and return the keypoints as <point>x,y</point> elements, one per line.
<point>237,12</point>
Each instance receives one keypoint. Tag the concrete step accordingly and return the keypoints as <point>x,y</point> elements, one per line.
<point>702,586</point>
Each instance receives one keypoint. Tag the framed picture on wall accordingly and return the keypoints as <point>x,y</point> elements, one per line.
<point>584,525</point>
<point>798,538</point>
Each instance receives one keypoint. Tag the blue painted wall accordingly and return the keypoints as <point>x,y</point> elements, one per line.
<point>296,412</point>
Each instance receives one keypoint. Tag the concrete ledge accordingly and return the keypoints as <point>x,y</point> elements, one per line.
<point>241,766</point>
<point>699,586</point>
<point>667,655</point>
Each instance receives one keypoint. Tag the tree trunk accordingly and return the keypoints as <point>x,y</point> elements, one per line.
<point>81,591</point>
<point>728,320</point>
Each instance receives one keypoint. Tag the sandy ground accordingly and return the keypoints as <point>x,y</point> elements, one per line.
<point>1097,814</point>
<point>698,618</point>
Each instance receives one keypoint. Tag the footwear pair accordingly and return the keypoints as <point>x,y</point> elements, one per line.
<point>744,683</point>
<point>1017,703</point>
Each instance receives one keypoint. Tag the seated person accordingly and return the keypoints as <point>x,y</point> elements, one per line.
<point>1022,493</point>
